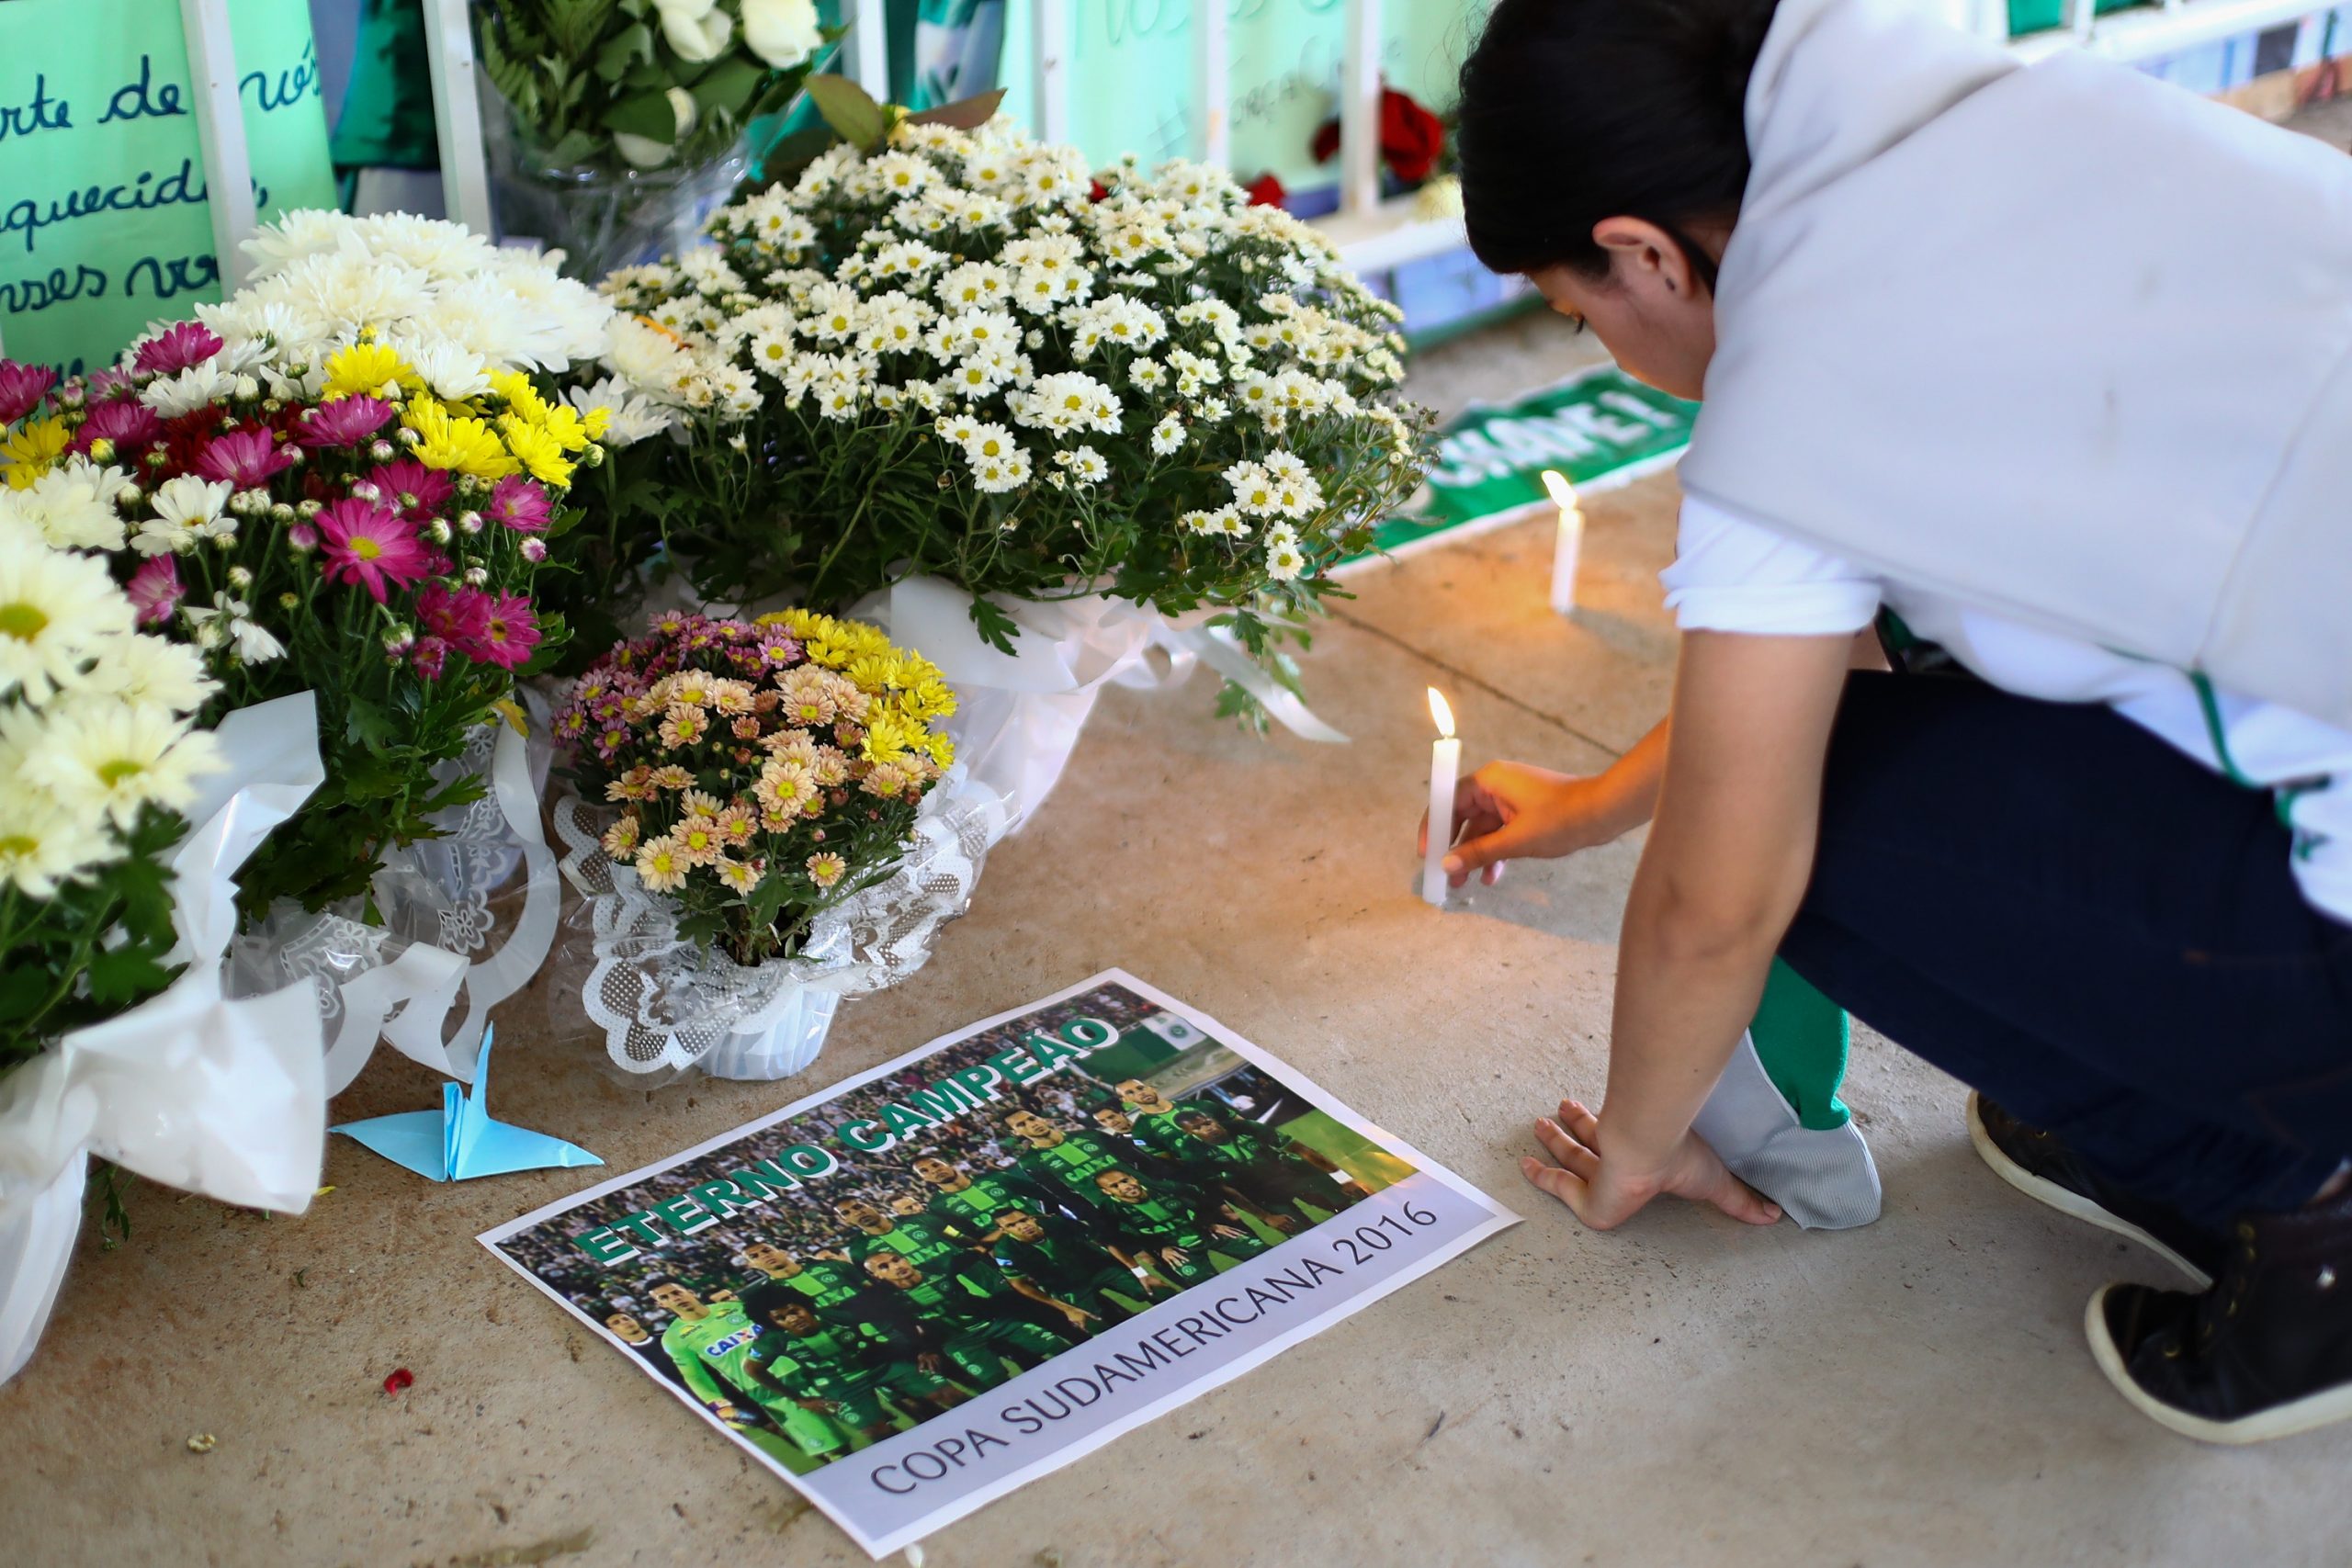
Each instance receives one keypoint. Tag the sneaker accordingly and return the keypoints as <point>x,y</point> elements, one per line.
<point>2043,1168</point>
<point>2266,1353</point>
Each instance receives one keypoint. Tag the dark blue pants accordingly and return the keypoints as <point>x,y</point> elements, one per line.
<point>2059,910</point>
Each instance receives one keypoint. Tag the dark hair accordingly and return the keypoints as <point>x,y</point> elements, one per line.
<point>763,1299</point>
<point>1573,111</point>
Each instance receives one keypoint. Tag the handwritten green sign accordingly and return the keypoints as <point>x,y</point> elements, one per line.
<point>1598,425</point>
<point>104,225</point>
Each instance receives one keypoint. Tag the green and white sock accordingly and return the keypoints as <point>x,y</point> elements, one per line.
<point>1775,1117</point>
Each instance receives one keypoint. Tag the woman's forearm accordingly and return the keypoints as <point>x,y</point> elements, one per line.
<point>1629,788</point>
<point>1687,986</point>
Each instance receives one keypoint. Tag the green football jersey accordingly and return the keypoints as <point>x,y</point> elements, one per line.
<point>974,1210</point>
<point>814,1366</point>
<point>826,1283</point>
<point>1157,1131</point>
<point>1059,1265</point>
<point>710,1352</point>
<point>1074,1162</point>
<point>922,1241</point>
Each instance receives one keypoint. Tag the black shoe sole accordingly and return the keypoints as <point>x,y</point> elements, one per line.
<point>2308,1414</point>
<point>2066,1201</point>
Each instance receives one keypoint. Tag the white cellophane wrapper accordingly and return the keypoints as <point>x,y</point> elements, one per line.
<point>1019,715</point>
<point>665,1005</point>
<point>192,1088</point>
<point>436,949</point>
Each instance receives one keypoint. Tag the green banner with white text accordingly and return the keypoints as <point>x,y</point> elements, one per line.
<point>1593,427</point>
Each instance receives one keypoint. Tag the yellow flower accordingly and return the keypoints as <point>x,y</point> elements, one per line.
<point>467,446</point>
<point>927,698</point>
<point>563,423</point>
<point>536,450</point>
<point>873,673</point>
<point>29,449</point>
<point>890,736</point>
<point>521,396</point>
<point>942,747</point>
<point>598,421</point>
<point>365,369</point>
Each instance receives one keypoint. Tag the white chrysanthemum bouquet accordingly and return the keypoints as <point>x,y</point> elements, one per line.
<point>97,756</point>
<point>961,354</point>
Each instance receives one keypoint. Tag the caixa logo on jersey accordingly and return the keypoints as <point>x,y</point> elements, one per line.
<point>719,1348</point>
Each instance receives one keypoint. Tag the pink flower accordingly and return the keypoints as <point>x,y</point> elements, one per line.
<point>243,458</point>
<point>509,633</point>
<point>429,654</point>
<point>371,546</point>
<point>126,422</point>
<point>521,504</point>
<point>347,422</point>
<point>461,617</point>
<point>182,345</point>
<point>406,476</point>
<point>22,387</point>
<point>155,589</point>
<point>301,536</point>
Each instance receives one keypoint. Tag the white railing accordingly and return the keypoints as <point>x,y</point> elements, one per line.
<point>1372,234</point>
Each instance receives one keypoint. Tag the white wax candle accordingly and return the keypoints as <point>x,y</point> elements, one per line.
<point>1445,768</point>
<point>1570,544</point>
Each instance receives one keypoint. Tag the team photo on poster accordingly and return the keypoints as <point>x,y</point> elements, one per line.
<point>838,1281</point>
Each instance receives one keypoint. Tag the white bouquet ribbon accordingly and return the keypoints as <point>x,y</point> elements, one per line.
<point>1018,715</point>
<point>191,1089</point>
<point>398,981</point>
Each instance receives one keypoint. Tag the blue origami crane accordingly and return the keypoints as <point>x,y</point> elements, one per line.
<point>460,1140</point>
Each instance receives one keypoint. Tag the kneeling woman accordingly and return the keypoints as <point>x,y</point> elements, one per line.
<point>2045,375</point>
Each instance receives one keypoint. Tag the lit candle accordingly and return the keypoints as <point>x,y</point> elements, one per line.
<point>1570,543</point>
<point>1445,766</point>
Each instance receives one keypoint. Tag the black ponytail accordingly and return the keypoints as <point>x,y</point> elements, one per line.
<point>1573,111</point>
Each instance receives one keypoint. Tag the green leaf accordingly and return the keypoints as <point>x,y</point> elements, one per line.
<point>727,85</point>
<point>624,48</point>
<point>964,114</point>
<point>997,628</point>
<point>22,987</point>
<point>647,115</point>
<point>369,724</point>
<point>575,25</point>
<point>126,974</point>
<point>788,158</point>
<point>850,109</point>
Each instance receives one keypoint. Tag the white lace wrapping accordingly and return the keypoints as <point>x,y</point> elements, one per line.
<point>665,1005</point>
<point>1019,715</point>
<point>400,980</point>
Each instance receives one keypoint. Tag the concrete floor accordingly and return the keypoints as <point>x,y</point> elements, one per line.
<point>1684,1392</point>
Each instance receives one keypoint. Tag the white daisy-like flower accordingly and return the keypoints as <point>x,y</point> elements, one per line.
<point>186,511</point>
<point>1087,466</point>
<point>989,442</point>
<point>45,843</point>
<point>1285,560</point>
<point>630,417</point>
<point>1254,491</point>
<point>1167,436</point>
<point>59,611</point>
<point>72,506</point>
<point>229,622</point>
<point>189,389</point>
<point>153,671</point>
<point>123,756</point>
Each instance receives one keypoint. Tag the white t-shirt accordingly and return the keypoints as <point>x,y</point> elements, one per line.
<point>1732,575</point>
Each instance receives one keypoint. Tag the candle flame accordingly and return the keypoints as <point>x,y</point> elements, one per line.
<point>1440,712</point>
<point>1563,493</point>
